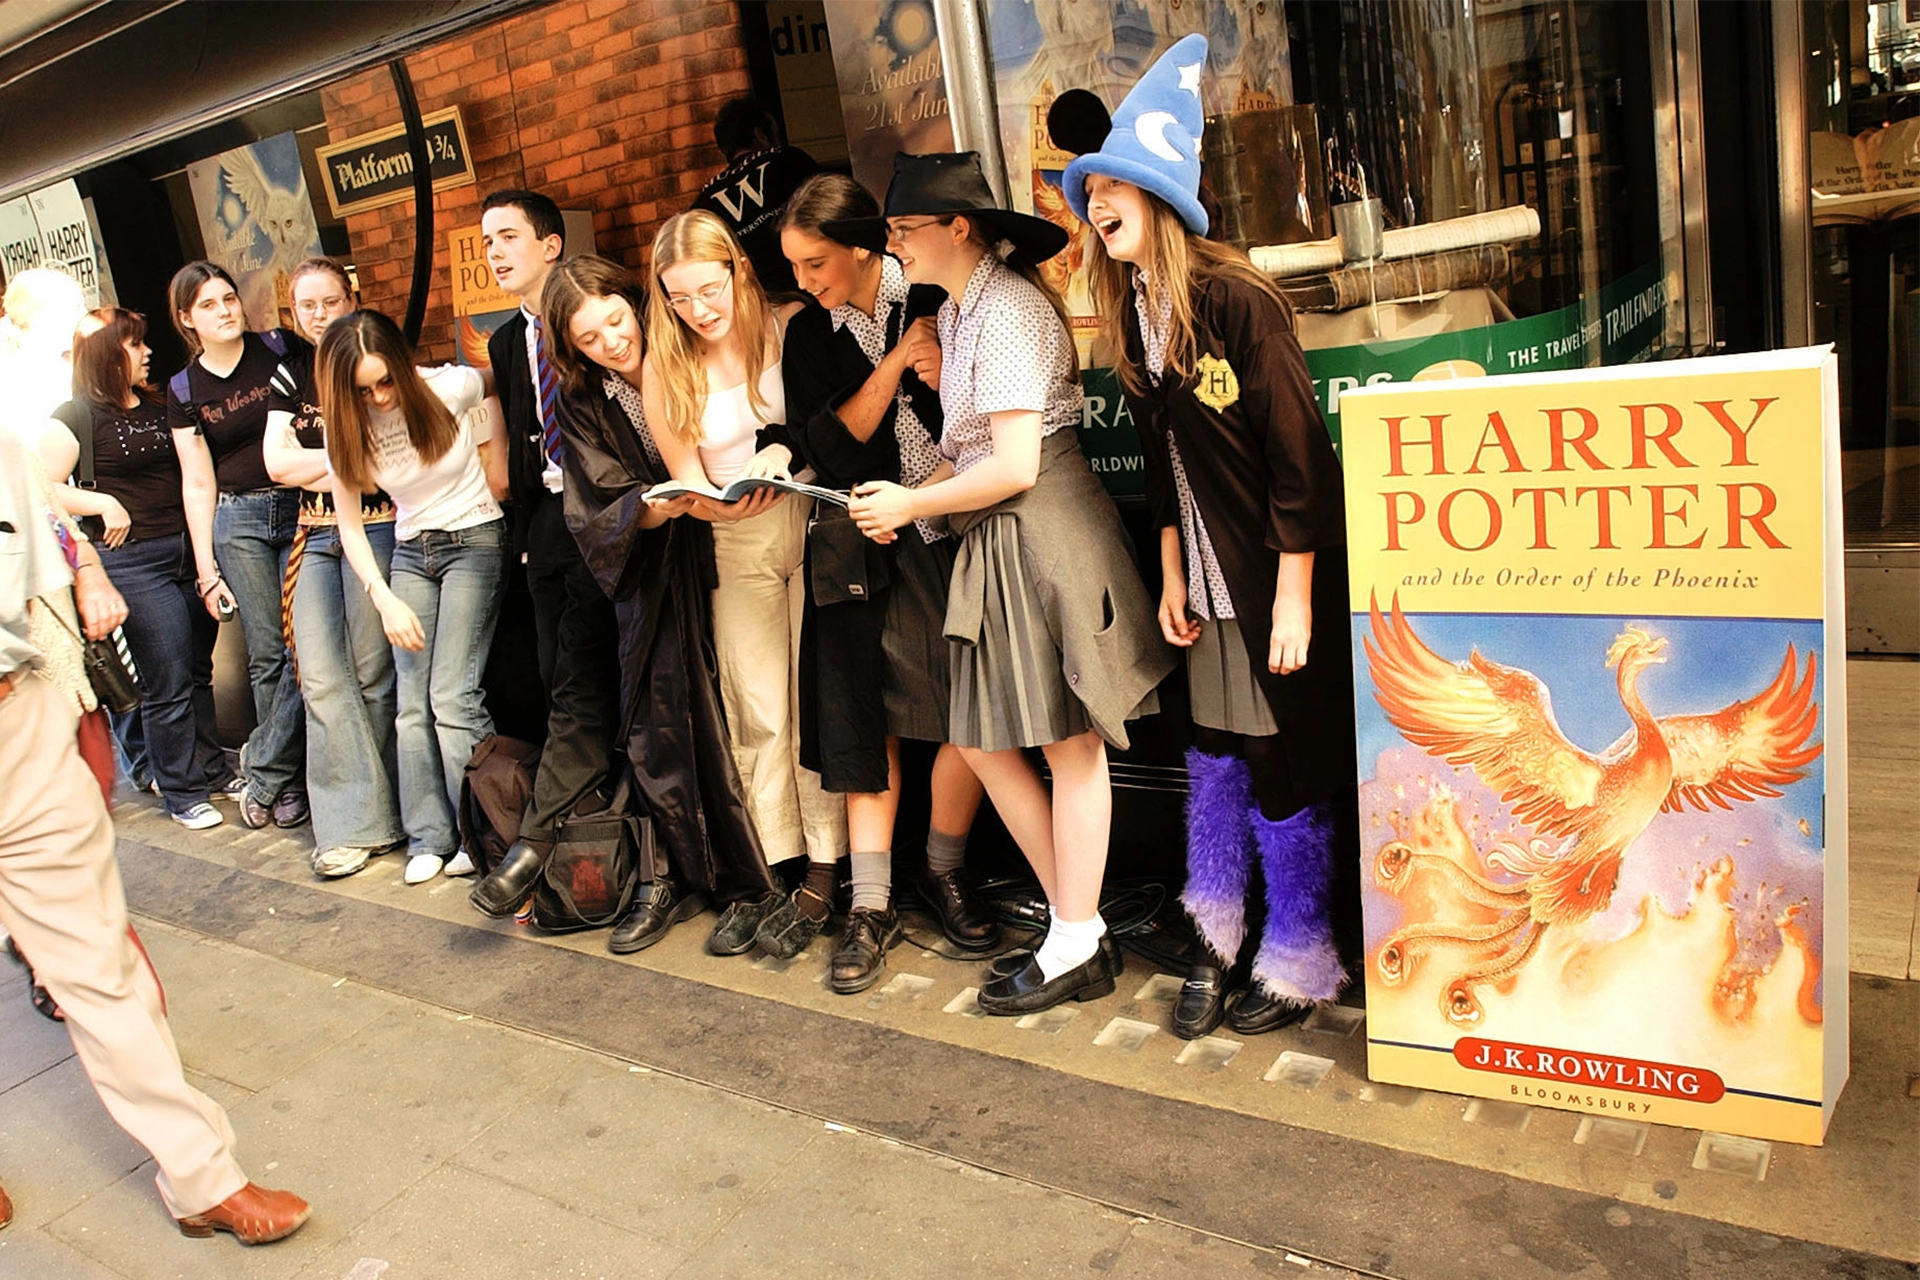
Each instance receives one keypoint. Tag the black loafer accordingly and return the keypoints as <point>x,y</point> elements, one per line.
<point>657,907</point>
<point>1008,963</point>
<point>733,936</point>
<point>1202,1001</point>
<point>962,916</point>
<point>862,954</point>
<point>503,890</point>
<point>1028,991</point>
<point>785,931</point>
<point>1259,1010</point>
<point>291,809</point>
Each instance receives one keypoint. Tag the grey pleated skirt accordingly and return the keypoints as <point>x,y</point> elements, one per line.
<point>918,682</point>
<point>1222,689</point>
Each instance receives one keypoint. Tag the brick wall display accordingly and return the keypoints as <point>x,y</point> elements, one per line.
<point>604,105</point>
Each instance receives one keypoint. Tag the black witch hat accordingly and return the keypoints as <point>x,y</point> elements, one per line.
<point>946,183</point>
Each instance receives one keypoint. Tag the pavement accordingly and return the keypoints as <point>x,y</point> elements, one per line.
<point>464,1097</point>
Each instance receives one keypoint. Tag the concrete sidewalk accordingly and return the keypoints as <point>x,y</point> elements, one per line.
<point>437,1144</point>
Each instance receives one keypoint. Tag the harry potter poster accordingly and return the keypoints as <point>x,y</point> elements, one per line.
<point>1600,680</point>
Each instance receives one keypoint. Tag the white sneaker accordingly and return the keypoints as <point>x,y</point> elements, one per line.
<point>422,867</point>
<point>461,865</point>
<point>340,860</point>
<point>198,817</point>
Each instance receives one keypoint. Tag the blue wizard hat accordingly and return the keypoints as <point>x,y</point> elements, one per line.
<point>1155,140</point>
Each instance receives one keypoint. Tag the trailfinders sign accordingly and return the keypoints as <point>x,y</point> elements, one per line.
<point>376,169</point>
<point>1599,659</point>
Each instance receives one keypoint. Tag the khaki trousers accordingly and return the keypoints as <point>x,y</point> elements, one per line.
<point>757,612</point>
<point>61,898</point>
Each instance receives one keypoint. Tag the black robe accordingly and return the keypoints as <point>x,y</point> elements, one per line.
<point>1266,479</point>
<point>670,716</point>
<point>843,714</point>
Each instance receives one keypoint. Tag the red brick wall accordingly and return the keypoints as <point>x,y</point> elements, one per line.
<point>605,105</point>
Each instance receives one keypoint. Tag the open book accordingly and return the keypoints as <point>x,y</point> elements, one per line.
<point>744,487</point>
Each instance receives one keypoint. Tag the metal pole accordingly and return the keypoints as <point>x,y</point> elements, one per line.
<point>1790,138</point>
<point>422,202</point>
<point>970,98</point>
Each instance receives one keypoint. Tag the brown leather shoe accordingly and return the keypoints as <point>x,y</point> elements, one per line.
<point>254,1214</point>
<point>6,1208</point>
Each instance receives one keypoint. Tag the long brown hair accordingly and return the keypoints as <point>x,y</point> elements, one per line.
<point>184,288</point>
<point>1177,261</point>
<point>101,371</point>
<point>824,198</point>
<point>673,350</point>
<point>569,285</point>
<point>347,341</point>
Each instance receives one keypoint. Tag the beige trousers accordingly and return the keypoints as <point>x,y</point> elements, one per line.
<point>757,611</point>
<point>61,898</point>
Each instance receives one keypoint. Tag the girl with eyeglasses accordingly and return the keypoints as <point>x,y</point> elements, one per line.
<point>712,393</point>
<point>1053,644</point>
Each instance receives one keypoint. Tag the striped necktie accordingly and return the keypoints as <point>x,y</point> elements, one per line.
<point>549,394</point>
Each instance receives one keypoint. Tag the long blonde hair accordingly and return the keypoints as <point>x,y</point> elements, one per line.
<point>674,351</point>
<point>1177,260</point>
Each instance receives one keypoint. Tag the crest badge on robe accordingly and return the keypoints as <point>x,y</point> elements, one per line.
<point>1219,385</point>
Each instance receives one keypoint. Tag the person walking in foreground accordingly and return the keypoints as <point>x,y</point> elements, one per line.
<point>1245,489</point>
<point>60,895</point>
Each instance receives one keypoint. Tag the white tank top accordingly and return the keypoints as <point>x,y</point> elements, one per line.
<point>730,425</point>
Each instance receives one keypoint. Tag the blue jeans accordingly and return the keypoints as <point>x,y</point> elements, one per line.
<point>452,581</point>
<point>346,680</point>
<point>252,533</point>
<point>170,635</point>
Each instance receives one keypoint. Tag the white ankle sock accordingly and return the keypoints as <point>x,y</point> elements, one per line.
<point>1069,943</point>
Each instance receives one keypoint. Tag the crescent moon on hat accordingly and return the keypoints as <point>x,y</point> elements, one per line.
<point>1151,129</point>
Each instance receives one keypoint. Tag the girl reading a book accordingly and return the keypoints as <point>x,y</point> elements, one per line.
<point>861,370</point>
<point>1052,636</point>
<point>1246,492</point>
<point>658,572</point>
<point>710,388</point>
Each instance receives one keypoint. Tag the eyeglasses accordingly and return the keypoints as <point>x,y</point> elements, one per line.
<point>899,231</point>
<point>309,307</point>
<point>707,296</point>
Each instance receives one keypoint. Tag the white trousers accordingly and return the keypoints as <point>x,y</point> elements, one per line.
<point>61,899</point>
<point>757,612</point>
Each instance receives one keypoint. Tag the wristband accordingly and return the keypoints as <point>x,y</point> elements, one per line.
<point>210,583</point>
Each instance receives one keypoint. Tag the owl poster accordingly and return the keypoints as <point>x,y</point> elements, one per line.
<point>257,221</point>
<point>1599,664</point>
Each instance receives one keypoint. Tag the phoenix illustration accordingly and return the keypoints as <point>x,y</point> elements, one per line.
<point>1586,809</point>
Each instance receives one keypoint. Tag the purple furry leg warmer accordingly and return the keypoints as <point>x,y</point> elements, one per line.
<point>1297,960</point>
<point>1219,849</point>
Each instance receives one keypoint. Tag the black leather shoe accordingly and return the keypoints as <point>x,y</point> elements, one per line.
<point>1028,991</point>
<point>1011,962</point>
<point>962,916</point>
<point>1202,1001</point>
<point>1259,1010</point>
<point>291,809</point>
<point>503,890</point>
<point>733,936</point>
<point>657,907</point>
<point>862,955</point>
<point>785,931</point>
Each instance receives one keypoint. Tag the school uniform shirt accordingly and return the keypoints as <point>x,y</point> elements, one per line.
<point>1023,359</point>
<point>449,493</point>
<point>1264,479</point>
<point>133,462</point>
<point>292,392</point>
<point>230,413</point>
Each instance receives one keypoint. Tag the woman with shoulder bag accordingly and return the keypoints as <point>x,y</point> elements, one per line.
<point>128,481</point>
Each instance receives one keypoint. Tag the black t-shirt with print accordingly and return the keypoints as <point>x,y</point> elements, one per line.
<point>294,392</point>
<point>133,461</point>
<point>231,413</point>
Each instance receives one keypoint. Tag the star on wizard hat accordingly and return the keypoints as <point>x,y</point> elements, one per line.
<point>1155,139</point>
<point>946,183</point>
